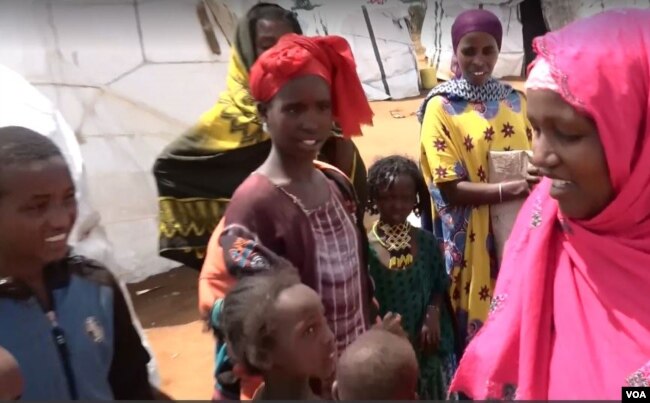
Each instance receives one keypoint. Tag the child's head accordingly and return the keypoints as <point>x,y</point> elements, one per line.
<point>11,380</point>
<point>274,323</point>
<point>379,365</point>
<point>395,188</point>
<point>37,198</point>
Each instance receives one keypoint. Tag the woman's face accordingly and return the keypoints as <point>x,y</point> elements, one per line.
<point>567,149</point>
<point>299,117</point>
<point>477,53</point>
<point>268,33</point>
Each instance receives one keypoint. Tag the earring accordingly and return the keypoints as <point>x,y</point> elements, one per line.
<point>265,127</point>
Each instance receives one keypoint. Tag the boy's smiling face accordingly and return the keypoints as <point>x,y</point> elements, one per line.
<point>37,211</point>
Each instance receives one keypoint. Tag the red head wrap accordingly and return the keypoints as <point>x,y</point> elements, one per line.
<point>329,57</point>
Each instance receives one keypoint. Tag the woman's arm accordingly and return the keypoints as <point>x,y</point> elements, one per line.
<point>462,192</point>
<point>445,161</point>
<point>215,280</point>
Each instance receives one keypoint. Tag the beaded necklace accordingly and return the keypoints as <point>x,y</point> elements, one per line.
<point>397,241</point>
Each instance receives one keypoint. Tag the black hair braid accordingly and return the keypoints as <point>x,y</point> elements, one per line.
<point>383,173</point>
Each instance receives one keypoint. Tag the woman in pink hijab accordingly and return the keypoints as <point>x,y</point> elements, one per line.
<point>570,317</point>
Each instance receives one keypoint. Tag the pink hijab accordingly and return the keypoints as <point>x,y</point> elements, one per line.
<point>570,317</point>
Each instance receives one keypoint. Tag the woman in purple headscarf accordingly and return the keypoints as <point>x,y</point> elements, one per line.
<point>463,120</point>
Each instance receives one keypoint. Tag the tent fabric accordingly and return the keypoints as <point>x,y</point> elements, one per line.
<point>381,25</point>
<point>128,83</point>
<point>436,34</point>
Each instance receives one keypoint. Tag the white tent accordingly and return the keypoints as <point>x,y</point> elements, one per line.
<point>376,31</point>
<point>436,34</point>
<point>23,105</point>
<point>440,15</point>
<point>130,76</point>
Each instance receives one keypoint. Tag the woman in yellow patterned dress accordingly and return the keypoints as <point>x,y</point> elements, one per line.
<point>462,121</point>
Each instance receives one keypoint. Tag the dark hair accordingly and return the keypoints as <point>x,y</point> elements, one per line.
<point>271,12</point>
<point>383,173</point>
<point>19,145</point>
<point>378,365</point>
<point>245,313</point>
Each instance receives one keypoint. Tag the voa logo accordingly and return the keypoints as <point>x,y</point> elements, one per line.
<point>635,394</point>
<point>631,393</point>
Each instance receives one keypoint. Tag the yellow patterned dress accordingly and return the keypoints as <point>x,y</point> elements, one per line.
<point>456,138</point>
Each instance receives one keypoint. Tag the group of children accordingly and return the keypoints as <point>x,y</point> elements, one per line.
<point>275,326</point>
<point>316,306</point>
<point>293,281</point>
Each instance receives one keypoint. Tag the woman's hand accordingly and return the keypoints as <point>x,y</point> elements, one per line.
<point>532,176</point>
<point>514,190</point>
<point>519,189</point>
<point>430,333</point>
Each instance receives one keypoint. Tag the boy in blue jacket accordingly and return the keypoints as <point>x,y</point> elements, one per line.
<point>63,317</point>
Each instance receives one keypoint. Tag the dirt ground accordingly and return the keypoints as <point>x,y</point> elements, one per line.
<point>167,304</point>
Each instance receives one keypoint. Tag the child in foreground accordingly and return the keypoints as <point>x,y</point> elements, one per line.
<point>275,327</point>
<point>408,271</point>
<point>379,365</point>
<point>64,317</point>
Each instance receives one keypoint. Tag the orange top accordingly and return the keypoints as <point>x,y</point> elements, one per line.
<point>214,283</point>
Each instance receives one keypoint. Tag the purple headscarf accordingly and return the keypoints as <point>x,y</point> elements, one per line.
<point>469,21</point>
<point>476,21</point>
<point>473,21</point>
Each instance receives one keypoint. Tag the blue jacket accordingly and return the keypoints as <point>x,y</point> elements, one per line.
<point>85,347</point>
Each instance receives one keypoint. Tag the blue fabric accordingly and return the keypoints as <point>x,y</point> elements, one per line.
<point>84,311</point>
<point>222,362</point>
<point>462,90</point>
<point>450,228</point>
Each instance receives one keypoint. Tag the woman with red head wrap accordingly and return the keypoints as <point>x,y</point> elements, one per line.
<point>327,57</point>
<point>229,142</point>
<point>302,210</point>
<point>570,319</point>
